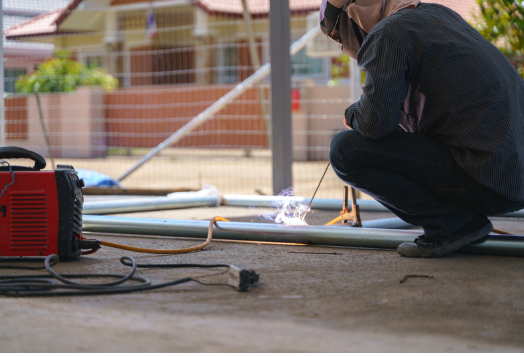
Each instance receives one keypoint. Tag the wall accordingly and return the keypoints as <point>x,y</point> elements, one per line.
<point>85,123</point>
<point>145,116</point>
<point>75,123</point>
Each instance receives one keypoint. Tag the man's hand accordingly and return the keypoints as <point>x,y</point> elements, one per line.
<point>344,121</point>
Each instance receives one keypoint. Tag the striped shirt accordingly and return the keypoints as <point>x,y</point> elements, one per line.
<point>431,73</point>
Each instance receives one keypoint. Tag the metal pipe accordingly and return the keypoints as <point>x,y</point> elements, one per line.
<point>388,223</point>
<point>218,105</point>
<point>265,201</point>
<point>503,245</point>
<point>148,204</point>
<point>515,214</point>
<point>188,200</point>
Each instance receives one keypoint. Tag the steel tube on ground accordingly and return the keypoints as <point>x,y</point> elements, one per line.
<point>503,245</point>
<point>516,214</point>
<point>388,223</point>
<point>148,204</point>
<point>265,201</point>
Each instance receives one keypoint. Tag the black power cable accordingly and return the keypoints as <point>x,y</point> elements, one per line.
<point>46,285</point>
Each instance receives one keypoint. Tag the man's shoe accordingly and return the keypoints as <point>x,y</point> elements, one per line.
<point>423,246</point>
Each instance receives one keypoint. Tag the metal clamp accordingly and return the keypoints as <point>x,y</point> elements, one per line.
<point>354,214</point>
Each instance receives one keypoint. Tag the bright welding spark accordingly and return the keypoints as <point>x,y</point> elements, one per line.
<point>286,212</point>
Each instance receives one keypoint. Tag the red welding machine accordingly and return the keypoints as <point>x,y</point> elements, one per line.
<point>40,211</point>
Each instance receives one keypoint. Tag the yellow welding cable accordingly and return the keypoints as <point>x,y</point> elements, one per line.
<point>169,251</point>
<point>334,221</point>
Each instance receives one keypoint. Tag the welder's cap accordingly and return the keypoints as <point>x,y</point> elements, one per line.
<point>349,21</point>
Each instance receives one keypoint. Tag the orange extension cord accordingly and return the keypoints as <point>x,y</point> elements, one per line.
<point>170,251</point>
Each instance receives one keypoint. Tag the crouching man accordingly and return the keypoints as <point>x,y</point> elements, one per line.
<point>438,134</point>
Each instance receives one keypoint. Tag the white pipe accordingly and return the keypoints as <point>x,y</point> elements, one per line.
<point>204,198</point>
<point>144,204</point>
<point>218,105</point>
<point>265,201</point>
<point>209,196</point>
<point>213,198</point>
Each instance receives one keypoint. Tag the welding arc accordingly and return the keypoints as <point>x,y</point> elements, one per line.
<point>169,251</point>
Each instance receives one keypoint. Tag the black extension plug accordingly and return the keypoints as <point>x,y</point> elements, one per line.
<point>241,278</point>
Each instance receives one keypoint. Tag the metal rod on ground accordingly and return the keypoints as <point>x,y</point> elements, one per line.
<point>188,199</point>
<point>253,53</point>
<point>388,223</point>
<point>159,203</point>
<point>218,105</point>
<point>502,245</point>
<point>265,201</point>
<point>42,123</point>
<point>185,200</point>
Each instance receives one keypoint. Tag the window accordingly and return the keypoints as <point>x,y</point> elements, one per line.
<point>94,60</point>
<point>10,77</point>
<point>302,65</point>
<point>227,67</point>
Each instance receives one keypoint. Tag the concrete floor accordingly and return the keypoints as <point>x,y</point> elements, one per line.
<point>309,299</point>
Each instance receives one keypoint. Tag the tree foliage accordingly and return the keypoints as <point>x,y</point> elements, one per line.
<point>502,23</point>
<point>63,74</point>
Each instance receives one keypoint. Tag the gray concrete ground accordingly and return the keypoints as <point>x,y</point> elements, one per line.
<point>309,299</point>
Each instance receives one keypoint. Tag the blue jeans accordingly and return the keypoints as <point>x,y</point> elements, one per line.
<point>416,178</point>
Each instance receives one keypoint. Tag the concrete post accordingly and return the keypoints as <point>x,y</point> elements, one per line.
<point>279,16</point>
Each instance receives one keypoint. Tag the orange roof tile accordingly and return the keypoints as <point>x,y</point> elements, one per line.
<point>42,25</point>
<point>257,8</point>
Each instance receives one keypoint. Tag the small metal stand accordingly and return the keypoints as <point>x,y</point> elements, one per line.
<point>350,217</point>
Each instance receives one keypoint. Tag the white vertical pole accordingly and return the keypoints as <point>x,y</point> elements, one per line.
<point>281,126</point>
<point>355,80</point>
<point>2,99</point>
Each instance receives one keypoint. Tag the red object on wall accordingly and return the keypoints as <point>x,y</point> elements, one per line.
<point>295,99</point>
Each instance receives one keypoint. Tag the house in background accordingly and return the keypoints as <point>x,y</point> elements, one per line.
<point>194,41</point>
<point>173,59</point>
<point>21,57</point>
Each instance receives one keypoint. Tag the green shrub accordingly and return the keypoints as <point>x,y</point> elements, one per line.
<point>63,74</point>
<point>502,23</point>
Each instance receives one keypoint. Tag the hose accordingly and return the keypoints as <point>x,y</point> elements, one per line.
<point>169,251</point>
